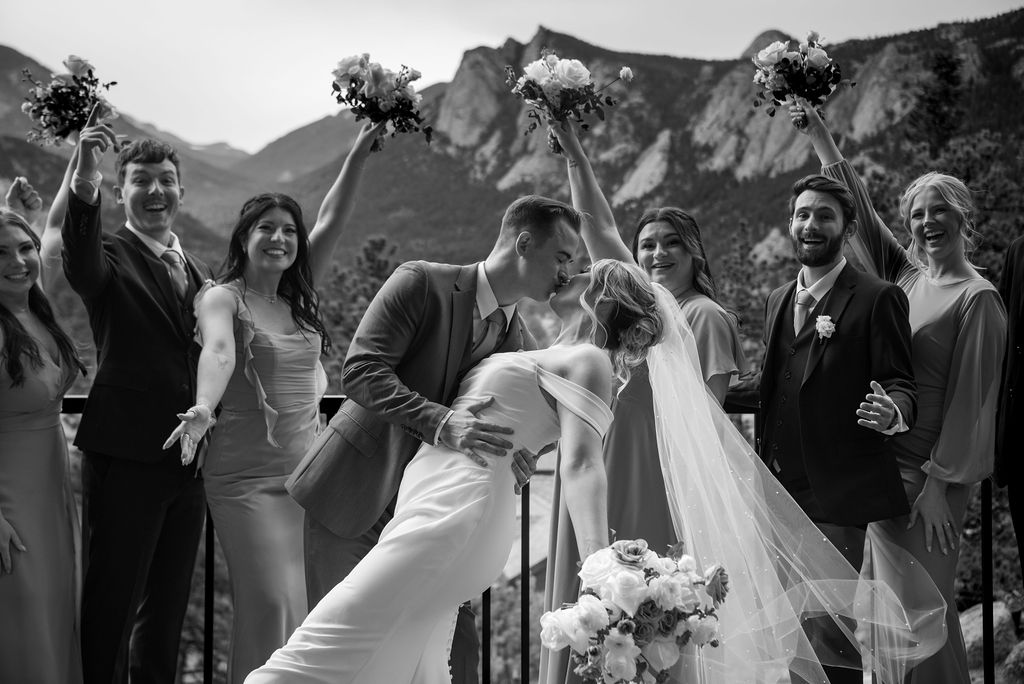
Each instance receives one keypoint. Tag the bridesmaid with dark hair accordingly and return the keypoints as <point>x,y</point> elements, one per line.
<point>262,337</point>
<point>38,521</point>
<point>668,247</point>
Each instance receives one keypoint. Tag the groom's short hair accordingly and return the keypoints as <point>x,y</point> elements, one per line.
<point>824,184</point>
<point>539,215</point>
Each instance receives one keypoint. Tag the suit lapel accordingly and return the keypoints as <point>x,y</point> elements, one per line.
<point>159,275</point>
<point>463,300</point>
<point>773,321</point>
<point>835,304</point>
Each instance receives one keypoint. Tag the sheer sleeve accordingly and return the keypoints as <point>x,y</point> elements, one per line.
<point>873,243</point>
<point>717,338</point>
<point>965,450</point>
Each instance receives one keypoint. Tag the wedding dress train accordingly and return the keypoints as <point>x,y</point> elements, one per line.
<point>392,619</point>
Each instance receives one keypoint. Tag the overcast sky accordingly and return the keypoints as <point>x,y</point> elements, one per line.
<point>249,71</point>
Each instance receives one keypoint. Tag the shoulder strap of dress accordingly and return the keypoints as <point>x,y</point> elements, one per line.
<point>577,399</point>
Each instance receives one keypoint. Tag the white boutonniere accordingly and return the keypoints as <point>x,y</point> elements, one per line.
<point>824,327</point>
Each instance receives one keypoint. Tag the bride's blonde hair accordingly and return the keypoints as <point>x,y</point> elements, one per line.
<point>624,312</point>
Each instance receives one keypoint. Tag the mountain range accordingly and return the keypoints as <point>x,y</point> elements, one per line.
<point>684,132</point>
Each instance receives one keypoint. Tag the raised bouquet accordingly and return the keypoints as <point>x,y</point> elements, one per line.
<point>636,613</point>
<point>380,95</point>
<point>560,89</point>
<point>807,71</point>
<point>62,106</point>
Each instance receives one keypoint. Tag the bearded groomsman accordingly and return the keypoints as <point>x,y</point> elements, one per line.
<point>836,381</point>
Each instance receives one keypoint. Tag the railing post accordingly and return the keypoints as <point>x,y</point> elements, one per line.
<point>209,571</point>
<point>524,587</point>
<point>987,613</point>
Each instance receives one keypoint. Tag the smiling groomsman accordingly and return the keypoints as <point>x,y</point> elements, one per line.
<point>836,381</point>
<point>143,510</point>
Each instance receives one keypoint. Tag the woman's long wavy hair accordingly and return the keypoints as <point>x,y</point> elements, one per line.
<point>957,195</point>
<point>624,314</point>
<point>296,286</point>
<point>689,232</point>
<point>19,345</point>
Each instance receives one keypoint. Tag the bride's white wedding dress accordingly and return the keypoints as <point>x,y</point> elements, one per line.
<point>391,620</point>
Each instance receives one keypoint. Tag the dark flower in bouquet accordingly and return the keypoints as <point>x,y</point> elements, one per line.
<point>560,89</point>
<point>785,73</point>
<point>62,106</point>
<point>636,613</point>
<point>380,95</point>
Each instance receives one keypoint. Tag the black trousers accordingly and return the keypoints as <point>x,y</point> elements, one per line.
<point>140,533</point>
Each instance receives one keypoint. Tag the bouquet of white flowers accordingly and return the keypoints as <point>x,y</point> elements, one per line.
<point>807,71</point>
<point>62,106</point>
<point>380,94</point>
<point>637,611</point>
<point>559,89</point>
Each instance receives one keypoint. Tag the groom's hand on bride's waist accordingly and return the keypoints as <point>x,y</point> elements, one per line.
<point>463,431</point>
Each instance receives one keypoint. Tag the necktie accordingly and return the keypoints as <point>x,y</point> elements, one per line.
<point>176,267</point>
<point>805,301</point>
<point>488,336</point>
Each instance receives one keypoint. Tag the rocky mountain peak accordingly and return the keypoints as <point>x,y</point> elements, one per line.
<point>763,40</point>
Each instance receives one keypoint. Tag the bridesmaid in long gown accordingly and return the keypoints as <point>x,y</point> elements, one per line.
<point>262,338</point>
<point>39,640</point>
<point>959,331</point>
<point>667,245</point>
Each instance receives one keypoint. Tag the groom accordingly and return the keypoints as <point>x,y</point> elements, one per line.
<point>429,324</point>
<point>836,381</point>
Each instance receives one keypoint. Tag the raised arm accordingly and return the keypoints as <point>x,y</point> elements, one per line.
<point>873,243</point>
<point>581,464</point>
<point>600,234</point>
<point>85,264</point>
<point>338,204</point>
<point>215,317</point>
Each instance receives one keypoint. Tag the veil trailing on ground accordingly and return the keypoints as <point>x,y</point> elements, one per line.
<point>727,508</point>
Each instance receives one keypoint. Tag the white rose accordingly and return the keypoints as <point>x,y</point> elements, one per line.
<point>353,65</point>
<point>771,55</point>
<point>703,629</point>
<point>661,653</point>
<point>597,568</point>
<point>621,653</point>
<point>561,628</point>
<point>687,563</point>
<point>667,592</point>
<point>572,74</point>
<point>618,668</point>
<point>817,58</point>
<point>538,72</point>
<point>77,65</point>
<point>813,37</point>
<point>660,564</point>
<point>614,612</point>
<point>627,589</point>
<point>626,74</point>
<point>591,613</point>
<point>551,60</point>
<point>414,75</point>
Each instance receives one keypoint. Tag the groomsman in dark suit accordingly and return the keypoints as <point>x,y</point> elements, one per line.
<point>429,324</point>
<point>1009,442</point>
<point>837,380</point>
<point>143,510</point>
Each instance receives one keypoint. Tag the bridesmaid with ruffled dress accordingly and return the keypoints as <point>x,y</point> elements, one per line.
<point>959,332</point>
<point>39,571</point>
<point>262,337</point>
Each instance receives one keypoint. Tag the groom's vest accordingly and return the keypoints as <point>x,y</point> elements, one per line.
<point>782,445</point>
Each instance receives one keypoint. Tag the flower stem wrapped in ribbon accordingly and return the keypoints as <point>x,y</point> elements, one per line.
<point>636,613</point>
<point>380,95</point>
<point>784,73</point>
<point>62,106</point>
<point>560,89</point>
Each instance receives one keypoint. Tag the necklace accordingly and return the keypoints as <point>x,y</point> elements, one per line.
<point>271,299</point>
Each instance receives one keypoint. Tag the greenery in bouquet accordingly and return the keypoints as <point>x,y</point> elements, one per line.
<point>784,73</point>
<point>62,106</point>
<point>380,95</point>
<point>636,613</point>
<point>560,89</point>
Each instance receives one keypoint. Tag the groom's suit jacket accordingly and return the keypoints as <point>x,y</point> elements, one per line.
<point>400,376</point>
<point>146,355</point>
<point>851,470</point>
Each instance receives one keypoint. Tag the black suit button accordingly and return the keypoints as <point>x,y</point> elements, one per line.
<point>788,375</point>
<point>783,400</point>
<point>778,423</point>
<point>792,352</point>
<point>775,447</point>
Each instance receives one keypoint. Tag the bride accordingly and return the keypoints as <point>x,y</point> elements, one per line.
<point>392,619</point>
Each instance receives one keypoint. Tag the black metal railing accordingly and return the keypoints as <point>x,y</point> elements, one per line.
<point>329,405</point>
